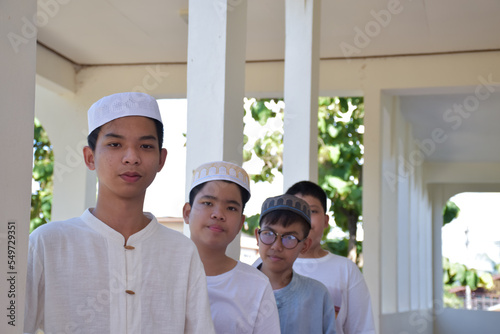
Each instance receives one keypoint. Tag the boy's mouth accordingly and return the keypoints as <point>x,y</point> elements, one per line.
<point>274,258</point>
<point>130,176</point>
<point>216,228</point>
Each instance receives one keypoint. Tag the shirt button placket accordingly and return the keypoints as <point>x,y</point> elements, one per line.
<point>128,247</point>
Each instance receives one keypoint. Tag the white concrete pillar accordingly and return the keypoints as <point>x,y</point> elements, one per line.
<point>402,184</point>
<point>413,245</point>
<point>439,199</point>
<point>372,201</point>
<point>215,86</point>
<point>389,213</point>
<point>17,99</point>
<point>300,152</point>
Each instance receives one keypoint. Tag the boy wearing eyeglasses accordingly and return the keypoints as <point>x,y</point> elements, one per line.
<point>241,298</point>
<point>304,304</point>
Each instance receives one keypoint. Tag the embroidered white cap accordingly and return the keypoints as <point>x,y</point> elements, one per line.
<point>121,105</point>
<point>221,171</point>
<point>286,203</point>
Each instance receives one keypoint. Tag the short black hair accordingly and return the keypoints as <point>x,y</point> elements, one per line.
<point>285,218</point>
<point>245,196</point>
<point>92,137</point>
<point>308,188</point>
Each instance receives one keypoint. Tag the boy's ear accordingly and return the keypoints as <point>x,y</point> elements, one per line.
<point>327,220</point>
<point>256,232</point>
<point>186,210</point>
<point>307,245</point>
<point>243,217</point>
<point>163,158</point>
<point>88,156</point>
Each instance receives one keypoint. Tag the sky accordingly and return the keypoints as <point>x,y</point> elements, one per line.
<point>166,196</point>
<point>479,215</point>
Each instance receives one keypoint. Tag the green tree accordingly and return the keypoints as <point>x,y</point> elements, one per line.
<point>457,274</point>
<point>340,157</point>
<point>43,168</point>
<point>450,212</point>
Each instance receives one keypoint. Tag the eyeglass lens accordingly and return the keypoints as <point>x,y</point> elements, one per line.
<point>269,237</point>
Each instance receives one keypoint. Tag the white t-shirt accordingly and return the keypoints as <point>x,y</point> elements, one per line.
<point>81,279</point>
<point>242,301</point>
<point>346,286</point>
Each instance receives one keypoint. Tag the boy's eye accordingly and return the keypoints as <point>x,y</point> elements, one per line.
<point>232,208</point>
<point>206,203</point>
<point>147,146</point>
<point>114,144</point>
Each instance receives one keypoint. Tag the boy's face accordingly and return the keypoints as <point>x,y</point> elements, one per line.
<point>276,258</point>
<point>126,157</point>
<point>216,216</point>
<point>319,221</point>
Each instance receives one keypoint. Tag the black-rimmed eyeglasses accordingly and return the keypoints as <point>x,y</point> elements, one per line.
<point>288,241</point>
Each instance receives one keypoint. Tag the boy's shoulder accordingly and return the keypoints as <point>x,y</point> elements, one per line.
<point>56,228</point>
<point>174,236</point>
<point>309,283</point>
<point>252,273</point>
<point>332,261</point>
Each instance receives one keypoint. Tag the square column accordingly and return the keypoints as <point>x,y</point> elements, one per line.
<point>215,86</point>
<point>300,151</point>
<point>17,101</point>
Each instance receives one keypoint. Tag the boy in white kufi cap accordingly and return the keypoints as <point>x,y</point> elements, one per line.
<point>115,269</point>
<point>241,298</point>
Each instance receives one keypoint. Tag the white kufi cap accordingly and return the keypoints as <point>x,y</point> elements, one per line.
<point>221,171</point>
<point>121,105</point>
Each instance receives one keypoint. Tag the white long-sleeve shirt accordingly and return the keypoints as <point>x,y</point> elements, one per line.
<point>82,279</point>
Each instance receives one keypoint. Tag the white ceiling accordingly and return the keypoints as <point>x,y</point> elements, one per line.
<point>154,31</point>
<point>468,126</point>
<point>92,32</point>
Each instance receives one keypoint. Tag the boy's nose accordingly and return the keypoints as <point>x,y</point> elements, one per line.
<point>277,245</point>
<point>131,157</point>
<point>217,214</point>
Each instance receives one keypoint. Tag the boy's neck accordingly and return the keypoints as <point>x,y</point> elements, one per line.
<point>278,280</point>
<point>216,262</point>
<point>314,253</point>
<point>125,217</point>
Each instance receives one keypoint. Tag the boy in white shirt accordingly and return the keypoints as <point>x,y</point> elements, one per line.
<point>241,298</point>
<point>339,274</point>
<point>115,269</point>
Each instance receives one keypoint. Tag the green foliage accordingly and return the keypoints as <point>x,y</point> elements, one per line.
<point>450,212</point>
<point>340,155</point>
<point>251,223</point>
<point>43,169</point>
<point>269,148</point>
<point>451,300</point>
<point>260,110</point>
<point>457,274</point>
<point>340,246</point>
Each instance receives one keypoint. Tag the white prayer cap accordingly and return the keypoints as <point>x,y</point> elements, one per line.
<point>221,171</point>
<point>121,105</point>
